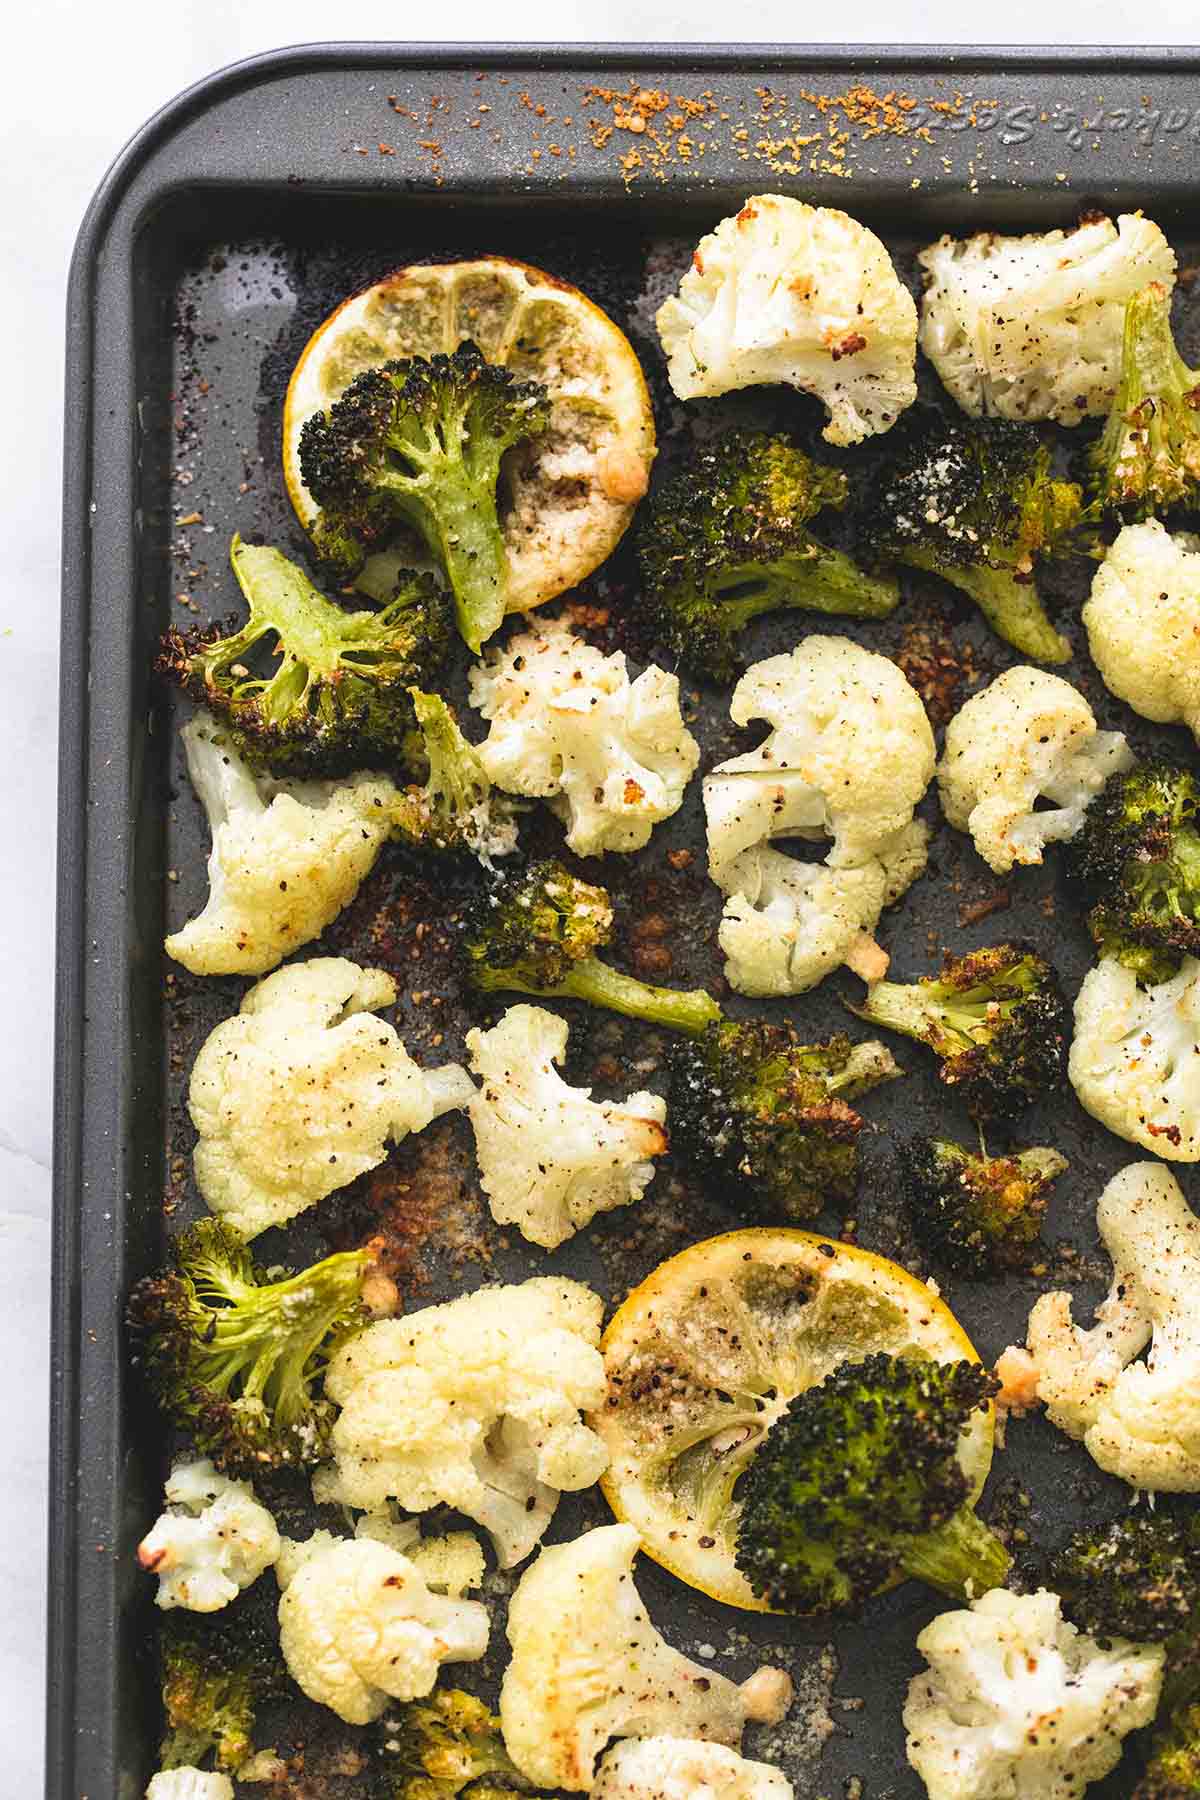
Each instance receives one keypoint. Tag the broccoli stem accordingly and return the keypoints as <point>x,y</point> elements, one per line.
<point>688,1010</point>
<point>282,599</point>
<point>865,1068</point>
<point>1040,1165</point>
<point>945,1025</point>
<point>827,581</point>
<point>1011,607</point>
<point>691,1010</point>
<point>962,1558</point>
<point>442,503</point>
<point>899,1006</point>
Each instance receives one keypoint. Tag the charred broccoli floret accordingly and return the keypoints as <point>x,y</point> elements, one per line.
<point>1173,1769</point>
<point>217,1671</point>
<point>418,444</point>
<point>336,696</point>
<point>728,539</point>
<point>1139,1578</point>
<point>1136,865</point>
<point>234,1357</point>
<point>976,503</point>
<point>859,1481</point>
<point>457,808</point>
<point>977,1213</point>
<point>996,1018</point>
<point>765,1117</point>
<point>435,1748</point>
<point>536,933</point>
<point>1147,458</point>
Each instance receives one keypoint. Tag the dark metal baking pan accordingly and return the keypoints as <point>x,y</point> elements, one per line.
<point>224,232</point>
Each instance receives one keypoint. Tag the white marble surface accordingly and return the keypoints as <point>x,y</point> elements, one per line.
<point>85,78</point>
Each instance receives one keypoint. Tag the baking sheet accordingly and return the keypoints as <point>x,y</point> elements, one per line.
<point>223,293</point>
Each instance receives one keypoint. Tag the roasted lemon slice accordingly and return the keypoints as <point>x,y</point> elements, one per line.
<point>569,493</point>
<point>707,1352</point>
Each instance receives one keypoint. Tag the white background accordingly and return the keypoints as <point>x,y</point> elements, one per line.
<point>81,80</point>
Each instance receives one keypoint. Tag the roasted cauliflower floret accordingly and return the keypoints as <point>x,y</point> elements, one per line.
<point>849,754</point>
<point>213,1540</point>
<point>286,857</point>
<point>1028,736</point>
<point>803,295</point>
<point>1143,623</point>
<point>1139,1420</point>
<point>1017,1702</point>
<point>786,924</point>
<point>1031,327</point>
<point>677,1768</point>
<point>474,1404</point>
<point>359,1627</point>
<point>1135,1057</point>
<point>588,1665</point>
<point>302,1091</point>
<point>189,1784</point>
<point>450,1563</point>
<point>612,756</point>
<point>550,1157</point>
<point>848,757</point>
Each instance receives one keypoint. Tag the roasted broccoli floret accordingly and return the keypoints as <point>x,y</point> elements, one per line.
<point>977,1213</point>
<point>1147,458</point>
<point>976,503</point>
<point>419,444</point>
<point>765,1118</point>
<point>859,1481</point>
<point>995,1017</point>
<point>336,696</point>
<point>1173,1769</point>
<point>1139,1578</point>
<point>728,539</point>
<point>1136,866</point>
<point>537,932</point>
<point>457,808</point>
<point>234,1357</point>
<point>435,1748</point>
<point>216,1674</point>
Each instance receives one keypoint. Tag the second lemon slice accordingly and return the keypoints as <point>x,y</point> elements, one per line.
<point>707,1353</point>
